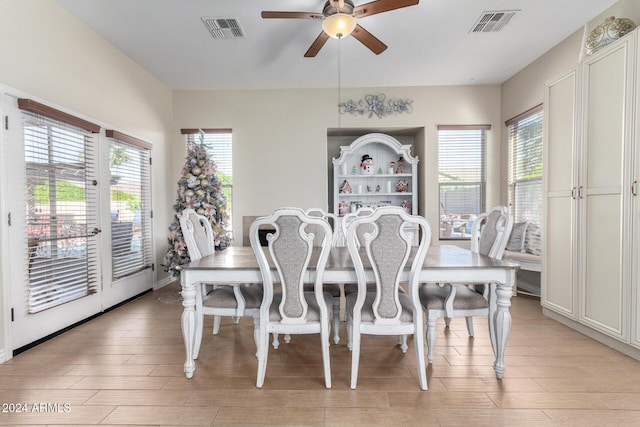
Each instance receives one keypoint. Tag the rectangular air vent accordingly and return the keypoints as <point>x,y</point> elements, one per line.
<point>224,28</point>
<point>491,21</point>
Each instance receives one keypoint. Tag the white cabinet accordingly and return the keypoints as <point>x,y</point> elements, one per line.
<point>588,255</point>
<point>559,277</point>
<point>375,170</point>
<point>605,189</point>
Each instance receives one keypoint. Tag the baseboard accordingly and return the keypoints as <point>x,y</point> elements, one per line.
<point>164,282</point>
<point>3,356</point>
<point>620,346</point>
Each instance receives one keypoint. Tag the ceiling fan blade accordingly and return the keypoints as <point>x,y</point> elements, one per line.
<point>369,40</point>
<point>380,6</point>
<point>292,15</point>
<point>317,45</point>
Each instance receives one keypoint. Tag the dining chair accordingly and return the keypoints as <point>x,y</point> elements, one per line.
<point>331,288</point>
<point>489,236</point>
<point>234,301</point>
<point>287,261</point>
<point>351,288</point>
<point>386,310</point>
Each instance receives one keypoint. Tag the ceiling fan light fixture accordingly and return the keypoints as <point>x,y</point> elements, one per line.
<point>338,25</point>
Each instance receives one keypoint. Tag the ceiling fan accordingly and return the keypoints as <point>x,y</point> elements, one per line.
<point>339,20</point>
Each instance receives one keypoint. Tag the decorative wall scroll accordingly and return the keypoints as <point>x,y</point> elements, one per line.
<point>377,105</point>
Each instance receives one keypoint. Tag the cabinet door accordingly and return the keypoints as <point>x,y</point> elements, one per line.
<point>559,274</point>
<point>606,160</point>
<point>635,296</point>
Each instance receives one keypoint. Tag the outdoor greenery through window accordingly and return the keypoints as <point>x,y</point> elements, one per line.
<point>462,178</point>
<point>219,143</point>
<point>525,166</point>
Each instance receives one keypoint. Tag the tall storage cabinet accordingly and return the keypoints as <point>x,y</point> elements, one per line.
<point>559,278</point>
<point>589,193</point>
<point>388,178</point>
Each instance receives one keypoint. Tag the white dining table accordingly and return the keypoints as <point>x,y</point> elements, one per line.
<point>237,265</point>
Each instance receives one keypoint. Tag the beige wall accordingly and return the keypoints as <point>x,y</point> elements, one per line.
<point>51,56</point>
<point>280,139</point>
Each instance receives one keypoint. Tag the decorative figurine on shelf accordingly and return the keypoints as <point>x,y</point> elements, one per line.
<point>402,186</point>
<point>343,208</point>
<point>392,168</point>
<point>378,188</point>
<point>354,170</point>
<point>400,165</point>
<point>406,206</point>
<point>366,165</point>
<point>368,189</point>
<point>346,187</point>
<point>379,171</point>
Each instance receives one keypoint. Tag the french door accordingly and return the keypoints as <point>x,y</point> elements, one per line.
<point>54,227</point>
<point>69,259</point>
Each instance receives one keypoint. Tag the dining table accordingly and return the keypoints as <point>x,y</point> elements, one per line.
<point>237,266</point>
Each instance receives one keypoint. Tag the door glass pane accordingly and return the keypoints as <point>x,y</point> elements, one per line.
<point>130,208</point>
<point>61,212</point>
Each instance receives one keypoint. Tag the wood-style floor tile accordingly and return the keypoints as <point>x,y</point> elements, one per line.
<point>162,415</point>
<point>125,368</point>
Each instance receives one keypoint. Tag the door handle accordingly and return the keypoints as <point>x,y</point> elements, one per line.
<point>634,188</point>
<point>96,230</point>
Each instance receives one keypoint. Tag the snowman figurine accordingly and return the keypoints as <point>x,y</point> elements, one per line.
<point>366,165</point>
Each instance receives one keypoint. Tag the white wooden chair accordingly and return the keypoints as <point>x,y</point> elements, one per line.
<point>351,288</point>
<point>386,310</point>
<point>234,301</point>
<point>489,236</point>
<point>330,288</point>
<point>289,309</point>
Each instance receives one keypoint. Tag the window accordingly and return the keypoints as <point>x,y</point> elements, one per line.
<point>61,206</point>
<point>218,143</point>
<point>525,166</point>
<point>462,178</point>
<point>130,196</point>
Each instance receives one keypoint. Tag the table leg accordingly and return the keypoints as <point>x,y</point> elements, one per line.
<point>188,321</point>
<point>500,324</point>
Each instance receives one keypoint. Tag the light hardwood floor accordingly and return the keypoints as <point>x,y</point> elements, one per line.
<point>125,368</point>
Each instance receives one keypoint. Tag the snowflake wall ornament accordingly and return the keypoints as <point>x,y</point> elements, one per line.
<point>376,105</point>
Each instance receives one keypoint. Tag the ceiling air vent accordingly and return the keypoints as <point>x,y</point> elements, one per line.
<point>492,21</point>
<point>224,28</point>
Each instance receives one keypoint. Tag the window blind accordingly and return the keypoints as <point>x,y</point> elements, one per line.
<point>525,166</point>
<point>61,209</point>
<point>462,177</point>
<point>130,195</point>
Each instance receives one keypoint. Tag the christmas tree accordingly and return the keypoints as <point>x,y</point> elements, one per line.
<point>199,188</point>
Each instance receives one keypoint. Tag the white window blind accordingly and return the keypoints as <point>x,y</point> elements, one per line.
<point>462,177</point>
<point>219,144</point>
<point>61,209</point>
<point>130,191</point>
<point>525,166</point>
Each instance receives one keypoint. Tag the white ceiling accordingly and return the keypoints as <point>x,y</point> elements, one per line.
<point>428,44</point>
